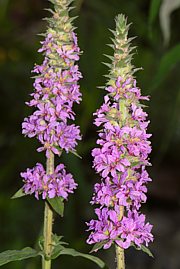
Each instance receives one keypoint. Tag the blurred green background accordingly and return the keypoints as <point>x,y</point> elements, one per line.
<point>156,25</point>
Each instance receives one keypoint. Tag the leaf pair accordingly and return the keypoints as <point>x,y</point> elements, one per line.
<point>56,203</point>
<point>144,249</point>
<point>60,250</point>
<point>100,245</point>
<point>26,253</point>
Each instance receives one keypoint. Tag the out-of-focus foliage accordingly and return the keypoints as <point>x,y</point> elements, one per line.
<point>167,7</point>
<point>153,11</point>
<point>21,219</point>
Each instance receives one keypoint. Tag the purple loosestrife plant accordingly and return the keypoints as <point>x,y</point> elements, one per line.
<point>121,157</point>
<point>56,90</point>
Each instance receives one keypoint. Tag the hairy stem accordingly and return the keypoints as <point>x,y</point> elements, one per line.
<point>120,257</point>
<point>120,251</point>
<point>48,220</point>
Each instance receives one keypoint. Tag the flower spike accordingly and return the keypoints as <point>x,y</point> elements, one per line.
<point>56,90</point>
<point>122,155</point>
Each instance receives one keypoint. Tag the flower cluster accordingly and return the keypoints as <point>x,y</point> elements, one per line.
<point>56,90</point>
<point>120,160</point>
<point>58,184</point>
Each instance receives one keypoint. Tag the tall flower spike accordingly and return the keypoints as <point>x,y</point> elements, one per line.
<point>121,156</point>
<point>56,89</point>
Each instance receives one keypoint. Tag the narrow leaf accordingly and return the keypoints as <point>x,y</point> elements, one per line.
<point>17,255</point>
<point>18,194</point>
<point>56,251</point>
<point>50,10</point>
<point>147,251</point>
<point>56,238</point>
<point>74,253</point>
<point>144,249</point>
<point>41,243</point>
<point>76,154</point>
<point>98,246</point>
<point>57,204</point>
<point>168,61</point>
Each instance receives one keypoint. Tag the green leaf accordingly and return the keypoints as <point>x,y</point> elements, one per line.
<point>41,243</point>
<point>153,11</point>
<point>56,251</point>
<point>144,249</point>
<point>18,194</point>
<point>57,204</point>
<point>17,255</point>
<point>60,250</point>
<point>56,244</point>
<point>75,153</point>
<point>56,239</point>
<point>147,251</point>
<point>168,61</point>
<point>98,246</point>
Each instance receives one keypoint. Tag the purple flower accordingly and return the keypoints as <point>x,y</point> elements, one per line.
<point>58,184</point>
<point>56,90</point>
<point>67,54</point>
<point>110,228</point>
<point>120,160</point>
<point>109,161</point>
<point>134,230</point>
<point>32,178</point>
<point>67,136</point>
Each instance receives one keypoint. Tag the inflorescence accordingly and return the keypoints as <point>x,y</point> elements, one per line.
<point>56,89</point>
<point>122,155</point>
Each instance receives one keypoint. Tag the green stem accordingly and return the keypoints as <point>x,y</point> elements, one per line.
<point>48,220</point>
<point>120,257</point>
<point>120,251</point>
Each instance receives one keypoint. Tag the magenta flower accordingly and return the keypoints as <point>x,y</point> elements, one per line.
<point>56,90</point>
<point>121,156</point>
<point>58,184</point>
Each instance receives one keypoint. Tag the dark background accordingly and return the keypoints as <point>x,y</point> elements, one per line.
<point>21,219</point>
